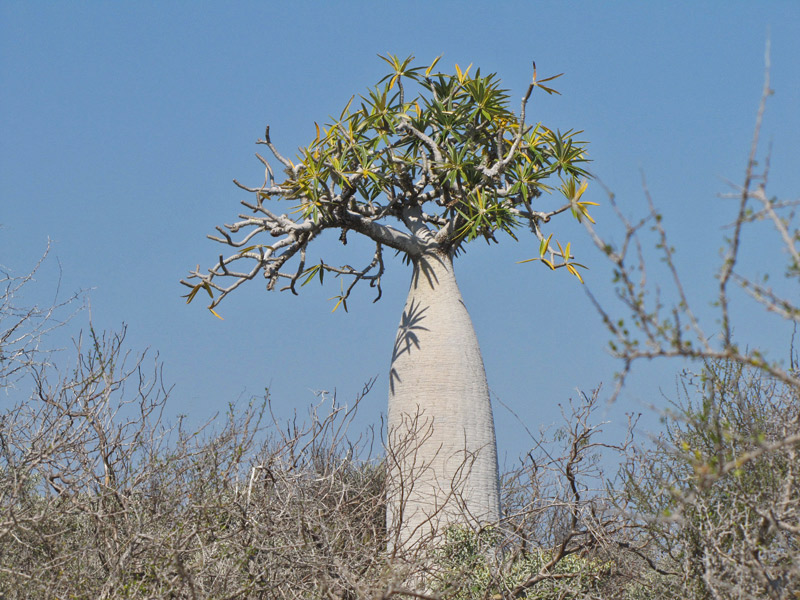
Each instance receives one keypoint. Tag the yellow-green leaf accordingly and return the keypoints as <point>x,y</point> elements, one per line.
<point>582,189</point>
<point>544,245</point>
<point>549,90</point>
<point>346,108</point>
<point>213,312</point>
<point>574,271</point>
<point>550,78</point>
<point>254,246</point>
<point>462,75</point>
<point>190,296</point>
<point>433,64</point>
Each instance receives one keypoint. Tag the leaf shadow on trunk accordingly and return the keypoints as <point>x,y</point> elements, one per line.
<point>407,336</point>
<point>407,332</point>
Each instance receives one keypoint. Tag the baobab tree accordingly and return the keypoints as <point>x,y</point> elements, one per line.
<point>423,175</point>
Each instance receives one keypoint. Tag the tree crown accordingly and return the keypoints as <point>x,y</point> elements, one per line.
<point>417,174</point>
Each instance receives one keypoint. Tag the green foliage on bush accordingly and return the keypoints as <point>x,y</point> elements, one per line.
<point>472,564</point>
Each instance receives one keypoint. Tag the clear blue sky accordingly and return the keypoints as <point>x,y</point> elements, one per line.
<point>122,126</point>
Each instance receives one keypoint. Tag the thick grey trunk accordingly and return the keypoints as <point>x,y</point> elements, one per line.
<point>441,441</point>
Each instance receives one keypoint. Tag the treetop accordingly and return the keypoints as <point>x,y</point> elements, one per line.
<point>424,161</point>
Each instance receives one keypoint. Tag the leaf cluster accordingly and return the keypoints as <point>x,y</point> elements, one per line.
<point>456,147</point>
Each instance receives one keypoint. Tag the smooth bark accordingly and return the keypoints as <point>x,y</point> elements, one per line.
<point>442,448</point>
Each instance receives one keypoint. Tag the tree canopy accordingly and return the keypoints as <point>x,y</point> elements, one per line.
<point>432,171</point>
